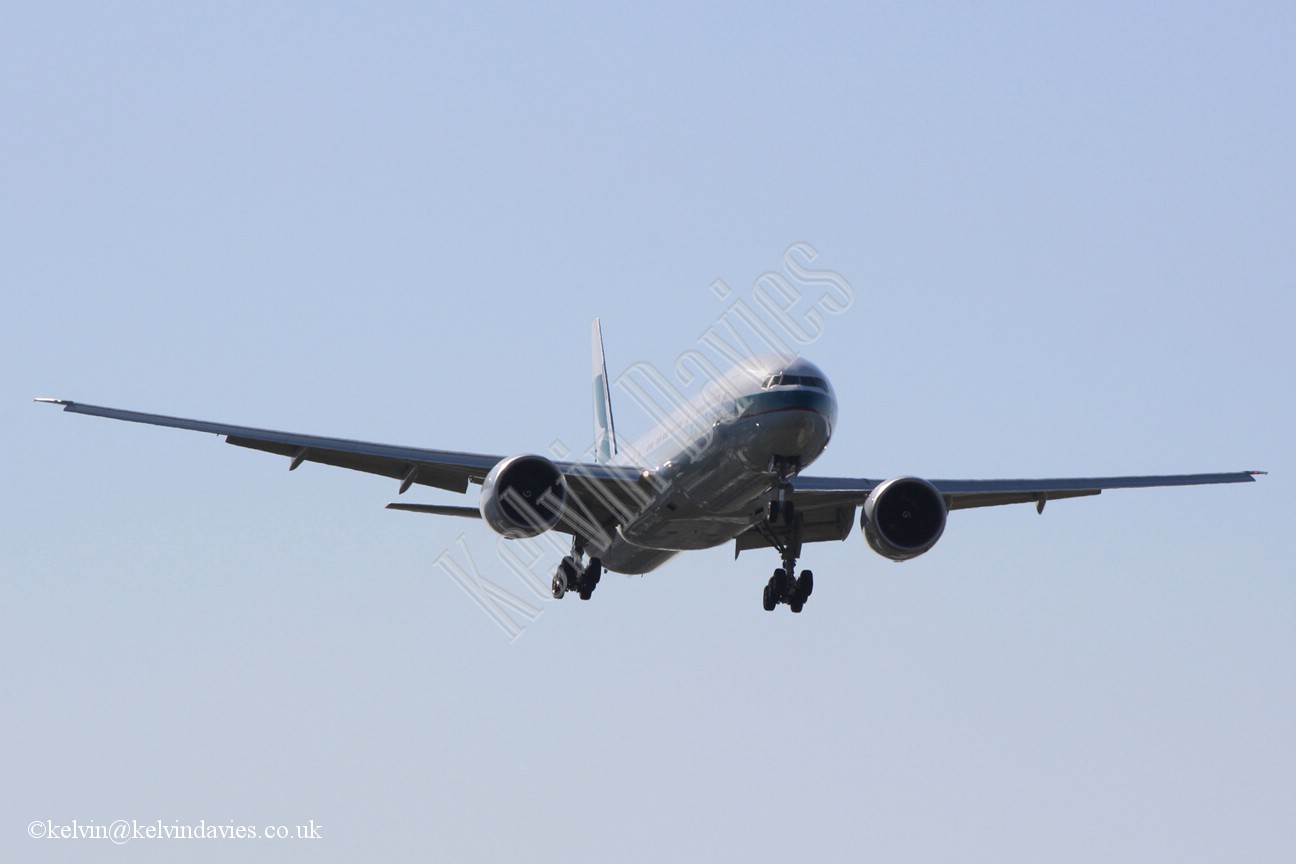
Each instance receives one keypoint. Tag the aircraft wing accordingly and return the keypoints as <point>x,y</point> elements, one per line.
<point>827,504</point>
<point>962,494</point>
<point>443,469</point>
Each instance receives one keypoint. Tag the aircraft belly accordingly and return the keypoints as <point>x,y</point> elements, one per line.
<point>622,556</point>
<point>689,531</point>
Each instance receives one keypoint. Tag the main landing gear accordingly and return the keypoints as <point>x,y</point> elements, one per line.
<point>574,575</point>
<point>783,531</point>
<point>792,591</point>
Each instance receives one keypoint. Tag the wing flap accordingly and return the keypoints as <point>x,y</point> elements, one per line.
<point>454,478</point>
<point>818,524</point>
<point>968,500</point>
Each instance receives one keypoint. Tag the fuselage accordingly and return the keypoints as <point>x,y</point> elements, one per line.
<point>715,462</point>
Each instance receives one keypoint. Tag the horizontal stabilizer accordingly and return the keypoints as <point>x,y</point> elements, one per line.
<point>438,510</point>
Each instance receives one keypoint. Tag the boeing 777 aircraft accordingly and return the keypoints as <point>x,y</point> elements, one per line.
<point>725,466</point>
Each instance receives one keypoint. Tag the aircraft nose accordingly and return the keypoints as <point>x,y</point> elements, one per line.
<point>804,432</point>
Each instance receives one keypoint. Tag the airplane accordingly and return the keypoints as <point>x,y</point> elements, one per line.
<point>723,466</point>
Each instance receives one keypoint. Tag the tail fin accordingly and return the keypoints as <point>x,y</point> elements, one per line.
<point>605,446</point>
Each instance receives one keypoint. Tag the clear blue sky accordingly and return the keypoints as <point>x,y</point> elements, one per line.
<point>1070,235</point>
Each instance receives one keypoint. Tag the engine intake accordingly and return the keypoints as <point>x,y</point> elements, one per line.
<point>523,496</point>
<point>903,517</point>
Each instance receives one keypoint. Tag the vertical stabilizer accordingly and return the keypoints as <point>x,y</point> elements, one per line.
<point>604,430</point>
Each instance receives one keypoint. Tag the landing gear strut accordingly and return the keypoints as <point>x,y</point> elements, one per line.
<point>783,531</point>
<point>575,575</point>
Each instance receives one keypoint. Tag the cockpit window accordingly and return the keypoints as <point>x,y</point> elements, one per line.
<point>781,379</point>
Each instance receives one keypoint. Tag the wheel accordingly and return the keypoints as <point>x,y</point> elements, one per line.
<point>594,572</point>
<point>779,582</point>
<point>559,586</point>
<point>768,602</point>
<point>570,576</point>
<point>805,585</point>
<point>585,593</point>
<point>796,605</point>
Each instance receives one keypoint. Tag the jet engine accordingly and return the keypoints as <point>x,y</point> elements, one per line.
<point>523,496</point>
<point>903,517</point>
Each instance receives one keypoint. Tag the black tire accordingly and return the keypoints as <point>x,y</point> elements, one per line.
<point>796,605</point>
<point>805,585</point>
<point>585,594</point>
<point>559,585</point>
<point>768,601</point>
<point>780,583</point>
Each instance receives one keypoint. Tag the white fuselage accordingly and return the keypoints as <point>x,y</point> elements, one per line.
<point>716,462</point>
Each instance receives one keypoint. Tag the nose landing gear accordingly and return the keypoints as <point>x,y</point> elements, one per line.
<point>782,528</point>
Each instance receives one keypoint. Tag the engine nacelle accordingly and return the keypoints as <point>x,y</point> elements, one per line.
<point>903,517</point>
<point>523,496</point>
